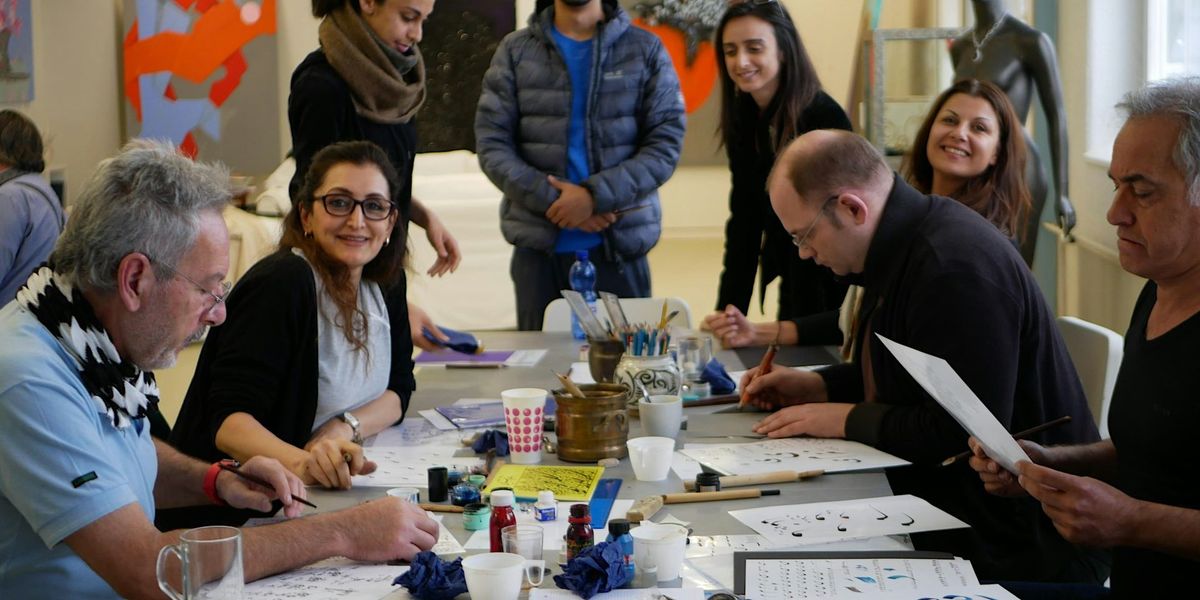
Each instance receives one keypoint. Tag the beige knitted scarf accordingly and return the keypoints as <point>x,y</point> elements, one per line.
<point>380,92</point>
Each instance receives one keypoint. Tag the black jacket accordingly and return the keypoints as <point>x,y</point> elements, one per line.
<point>755,238</point>
<point>940,278</point>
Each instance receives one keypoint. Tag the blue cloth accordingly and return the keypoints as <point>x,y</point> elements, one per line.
<point>578,57</point>
<point>31,217</point>
<point>595,570</point>
<point>460,341</point>
<point>717,378</point>
<point>431,578</point>
<point>492,438</point>
<point>55,437</point>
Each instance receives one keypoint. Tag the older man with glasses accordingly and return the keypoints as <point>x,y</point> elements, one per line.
<point>940,278</point>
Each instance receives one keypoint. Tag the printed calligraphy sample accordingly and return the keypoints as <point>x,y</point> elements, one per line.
<point>821,522</point>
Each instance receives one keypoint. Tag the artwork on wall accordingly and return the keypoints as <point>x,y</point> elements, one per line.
<point>196,72</point>
<point>16,52</point>
<point>458,45</point>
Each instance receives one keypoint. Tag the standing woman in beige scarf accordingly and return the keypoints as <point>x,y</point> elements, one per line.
<point>366,82</point>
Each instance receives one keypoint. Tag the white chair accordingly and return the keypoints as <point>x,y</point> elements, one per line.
<point>1096,352</point>
<point>637,310</point>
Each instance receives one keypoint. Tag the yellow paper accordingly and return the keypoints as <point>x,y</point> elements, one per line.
<point>567,483</point>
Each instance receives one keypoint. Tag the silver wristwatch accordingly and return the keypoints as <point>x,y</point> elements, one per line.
<point>352,421</point>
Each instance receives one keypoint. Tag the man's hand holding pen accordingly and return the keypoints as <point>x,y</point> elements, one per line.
<point>240,492</point>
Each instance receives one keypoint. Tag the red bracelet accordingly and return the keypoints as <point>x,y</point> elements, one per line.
<point>210,480</point>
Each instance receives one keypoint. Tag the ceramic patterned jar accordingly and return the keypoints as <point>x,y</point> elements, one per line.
<point>658,374</point>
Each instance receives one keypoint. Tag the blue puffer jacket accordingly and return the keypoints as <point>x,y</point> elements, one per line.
<point>635,124</point>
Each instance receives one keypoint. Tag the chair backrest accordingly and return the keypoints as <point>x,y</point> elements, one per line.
<point>1096,352</point>
<point>558,313</point>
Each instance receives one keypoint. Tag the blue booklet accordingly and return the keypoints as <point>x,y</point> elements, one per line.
<point>470,416</point>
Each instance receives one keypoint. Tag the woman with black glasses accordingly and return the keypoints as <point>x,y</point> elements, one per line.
<point>315,353</point>
<point>770,94</point>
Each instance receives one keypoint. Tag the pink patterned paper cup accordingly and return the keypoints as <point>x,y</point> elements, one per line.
<point>523,414</point>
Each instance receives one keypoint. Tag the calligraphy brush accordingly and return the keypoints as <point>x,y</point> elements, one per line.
<point>260,481</point>
<point>1020,435</point>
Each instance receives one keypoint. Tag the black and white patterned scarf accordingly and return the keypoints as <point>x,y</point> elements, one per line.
<point>119,388</point>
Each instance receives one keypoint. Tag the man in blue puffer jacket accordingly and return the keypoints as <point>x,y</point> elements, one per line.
<point>580,120</point>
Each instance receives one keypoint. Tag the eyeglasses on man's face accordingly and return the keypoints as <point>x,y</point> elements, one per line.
<point>217,299</point>
<point>374,208</point>
<point>802,241</point>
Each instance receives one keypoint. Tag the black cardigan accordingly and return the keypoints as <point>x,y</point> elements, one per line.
<point>754,236</point>
<point>942,279</point>
<point>263,359</point>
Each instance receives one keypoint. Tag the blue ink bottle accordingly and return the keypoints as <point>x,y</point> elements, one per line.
<point>618,531</point>
<point>546,509</point>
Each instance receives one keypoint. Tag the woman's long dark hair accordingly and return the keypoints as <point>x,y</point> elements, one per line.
<point>798,80</point>
<point>999,193</point>
<point>387,266</point>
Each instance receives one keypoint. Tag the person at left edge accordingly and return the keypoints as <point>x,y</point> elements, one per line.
<point>315,354</point>
<point>580,117</point>
<point>367,82</point>
<point>31,215</point>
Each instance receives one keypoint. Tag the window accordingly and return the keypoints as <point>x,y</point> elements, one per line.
<point>1172,38</point>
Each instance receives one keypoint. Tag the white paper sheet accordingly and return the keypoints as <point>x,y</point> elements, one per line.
<point>416,432</point>
<point>939,379</point>
<point>447,543</point>
<point>581,373</point>
<point>552,531</point>
<point>796,454</point>
<point>339,578</point>
<point>409,466</point>
<point>525,358</point>
<point>787,579</point>
<point>820,522</point>
<point>970,592</point>
<point>684,466</point>
<point>684,593</point>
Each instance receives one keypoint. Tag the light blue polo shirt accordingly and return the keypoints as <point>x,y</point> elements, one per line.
<point>53,439</point>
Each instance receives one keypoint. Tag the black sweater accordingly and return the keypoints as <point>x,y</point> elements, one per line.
<point>940,278</point>
<point>753,234</point>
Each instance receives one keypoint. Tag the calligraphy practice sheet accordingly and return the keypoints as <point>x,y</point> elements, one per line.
<point>795,454</point>
<point>684,593</point>
<point>820,522</point>
<point>409,466</point>
<point>339,578</point>
<point>567,483</point>
<point>969,592</point>
<point>416,432</point>
<point>939,379</point>
<point>785,579</point>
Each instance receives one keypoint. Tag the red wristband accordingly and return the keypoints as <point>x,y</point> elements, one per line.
<point>210,481</point>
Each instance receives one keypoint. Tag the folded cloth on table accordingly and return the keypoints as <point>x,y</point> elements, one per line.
<point>460,341</point>
<point>431,578</point>
<point>717,378</point>
<point>597,569</point>
<point>492,438</point>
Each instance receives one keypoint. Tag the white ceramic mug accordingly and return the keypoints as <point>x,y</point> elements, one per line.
<point>659,548</point>
<point>651,457</point>
<point>211,566</point>
<point>661,416</point>
<point>524,412</point>
<point>499,575</point>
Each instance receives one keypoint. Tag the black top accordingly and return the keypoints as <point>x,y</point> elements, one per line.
<point>940,278</point>
<point>1153,420</point>
<point>263,359</point>
<point>321,112</point>
<point>755,238</point>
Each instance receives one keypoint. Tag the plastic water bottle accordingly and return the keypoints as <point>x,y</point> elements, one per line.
<point>583,280</point>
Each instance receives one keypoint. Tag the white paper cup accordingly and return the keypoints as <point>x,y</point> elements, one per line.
<point>498,575</point>
<point>523,414</point>
<point>661,416</point>
<point>651,457</point>
<point>659,548</point>
<point>407,494</point>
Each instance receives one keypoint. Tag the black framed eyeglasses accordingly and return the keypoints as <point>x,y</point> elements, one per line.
<point>218,299</point>
<point>802,241</point>
<point>342,205</point>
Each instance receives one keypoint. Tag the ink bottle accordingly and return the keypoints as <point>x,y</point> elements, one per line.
<point>503,516</point>
<point>618,531</point>
<point>464,494</point>
<point>579,532</point>
<point>546,508</point>
<point>708,482</point>
<point>476,516</point>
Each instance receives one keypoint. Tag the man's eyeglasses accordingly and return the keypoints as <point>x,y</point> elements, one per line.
<point>342,205</point>
<point>218,299</point>
<point>802,241</point>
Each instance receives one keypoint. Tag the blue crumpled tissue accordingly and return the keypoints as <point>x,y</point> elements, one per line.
<point>431,578</point>
<point>598,569</point>
<point>492,438</point>
<point>719,381</point>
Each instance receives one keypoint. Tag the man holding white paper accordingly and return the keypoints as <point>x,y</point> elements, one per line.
<point>939,278</point>
<point>1139,492</point>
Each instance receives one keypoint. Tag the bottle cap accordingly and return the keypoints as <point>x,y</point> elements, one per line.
<point>477,480</point>
<point>504,498</point>
<point>581,255</point>
<point>708,479</point>
<point>545,497</point>
<point>579,513</point>
<point>618,527</point>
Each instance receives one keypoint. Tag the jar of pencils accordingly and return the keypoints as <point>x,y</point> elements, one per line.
<point>658,374</point>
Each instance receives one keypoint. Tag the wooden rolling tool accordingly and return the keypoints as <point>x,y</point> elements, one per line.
<point>729,481</point>
<point>643,509</point>
<point>716,496</point>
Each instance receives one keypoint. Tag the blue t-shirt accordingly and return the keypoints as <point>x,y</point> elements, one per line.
<point>578,57</point>
<point>63,465</point>
<point>31,218</point>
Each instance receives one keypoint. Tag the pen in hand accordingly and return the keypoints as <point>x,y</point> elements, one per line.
<point>1020,435</point>
<point>262,482</point>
